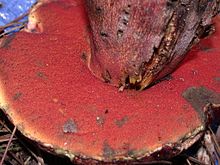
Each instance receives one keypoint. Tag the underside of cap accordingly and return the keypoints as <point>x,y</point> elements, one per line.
<point>49,94</point>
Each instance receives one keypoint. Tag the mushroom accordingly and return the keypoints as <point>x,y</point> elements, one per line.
<point>50,95</point>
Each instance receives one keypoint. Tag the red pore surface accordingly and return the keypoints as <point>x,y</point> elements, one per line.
<point>48,92</point>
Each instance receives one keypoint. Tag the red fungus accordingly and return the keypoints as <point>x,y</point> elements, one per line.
<point>52,98</point>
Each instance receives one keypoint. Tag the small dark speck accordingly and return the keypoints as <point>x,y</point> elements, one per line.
<point>121,122</point>
<point>206,48</point>
<point>120,33</point>
<point>103,34</point>
<point>41,75</point>
<point>185,107</point>
<point>17,96</point>
<point>70,127</point>
<point>171,3</point>
<point>159,138</point>
<point>84,56</point>
<point>106,76</point>
<point>217,79</point>
<point>168,77</point>
<point>1,5</point>
<point>98,10</point>
<point>108,152</point>
<point>131,153</point>
<point>106,111</point>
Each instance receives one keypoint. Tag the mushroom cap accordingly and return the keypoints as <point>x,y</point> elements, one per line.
<point>51,97</point>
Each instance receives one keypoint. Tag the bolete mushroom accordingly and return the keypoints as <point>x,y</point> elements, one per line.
<point>50,95</point>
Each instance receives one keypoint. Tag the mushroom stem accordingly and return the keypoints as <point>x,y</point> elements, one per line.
<point>136,42</point>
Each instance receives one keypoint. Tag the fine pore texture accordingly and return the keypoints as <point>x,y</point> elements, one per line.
<point>52,98</point>
<point>136,42</point>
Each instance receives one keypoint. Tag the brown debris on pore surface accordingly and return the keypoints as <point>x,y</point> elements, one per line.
<point>136,42</point>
